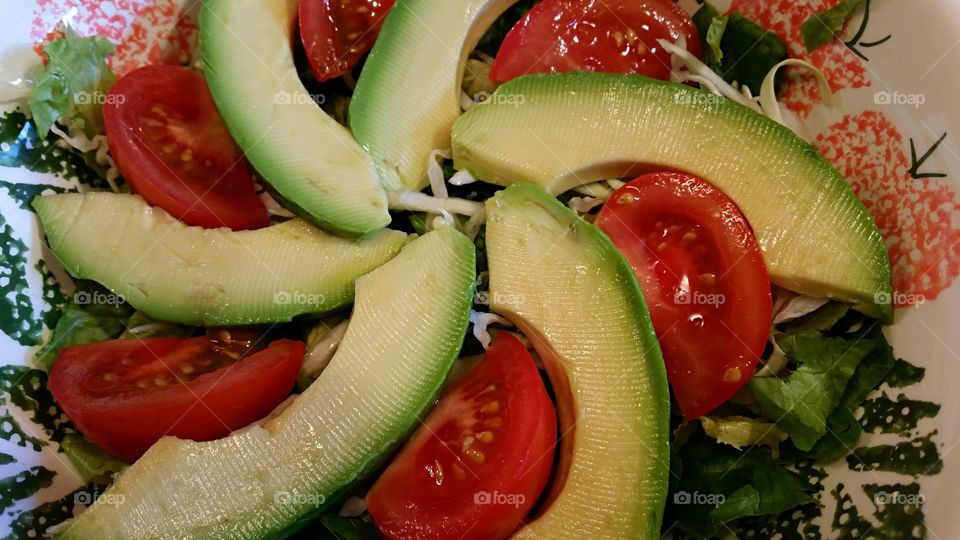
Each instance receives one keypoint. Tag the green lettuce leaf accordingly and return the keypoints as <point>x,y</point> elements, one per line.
<point>801,402</point>
<point>90,460</point>
<point>73,85</point>
<point>711,26</point>
<point>85,319</point>
<point>821,27</point>
<point>718,484</point>
<point>736,48</point>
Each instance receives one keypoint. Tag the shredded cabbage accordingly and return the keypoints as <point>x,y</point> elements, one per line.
<point>481,320</point>
<point>81,142</point>
<point>435,173</point>
<point>322,351</point>
<point>687,67</point>
<point>421,202</point>
<point>583,205</point>
<point>462,178</point>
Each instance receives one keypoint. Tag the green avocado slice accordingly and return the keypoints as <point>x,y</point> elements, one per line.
<point>207,277</point>
<point>308,159</point>
<point>560,131</point>
<point>269,480</point>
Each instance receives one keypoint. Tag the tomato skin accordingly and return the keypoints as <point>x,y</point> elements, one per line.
<point>100,395</point>
<point>174,150</point>
<point>704,279</point>
<point>436,489</point>
<point>616,36</point>
<point>337,33</point>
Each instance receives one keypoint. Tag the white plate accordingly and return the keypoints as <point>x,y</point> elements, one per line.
<point>905,93</point>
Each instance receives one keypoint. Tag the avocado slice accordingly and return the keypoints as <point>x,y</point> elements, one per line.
<point>408,95</point>
<point>308,159</point>
<point>573,294</point>
<point>207,277</point>
<point>269,481</point>
<point>564,130</point>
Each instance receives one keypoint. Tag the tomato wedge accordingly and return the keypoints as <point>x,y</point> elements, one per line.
<point>174,150</point>
<point>704,280</point>
<point>337,33</point>
<point>616,36</point>
<point>125,394</point>
<point>481,459</point>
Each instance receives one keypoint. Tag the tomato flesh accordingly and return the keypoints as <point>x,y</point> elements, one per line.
<point>615,36</point>
<point>337,33</point>
<point>123,395</point>
<point>481,459</point>
<point>704,279</point>
<point>172,147</point>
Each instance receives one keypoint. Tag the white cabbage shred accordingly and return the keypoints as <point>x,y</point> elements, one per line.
<point>687,67</point>
<point>481,321</point>
<point>81,142</point>
<point>322,351</point>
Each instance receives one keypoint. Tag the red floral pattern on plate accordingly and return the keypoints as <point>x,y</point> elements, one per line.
<point>920,218</point>
<point>146,31</point>
<point>784,17</point>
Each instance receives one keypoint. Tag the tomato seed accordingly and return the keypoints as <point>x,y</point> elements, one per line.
<point>732,375</point>
<point>475,455</point>
<point>467,443</point>
<point>491,407</point>
<point>485,436</point>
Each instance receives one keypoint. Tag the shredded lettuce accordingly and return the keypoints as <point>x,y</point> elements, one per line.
<point>74,85</point>
<point>821,27</point>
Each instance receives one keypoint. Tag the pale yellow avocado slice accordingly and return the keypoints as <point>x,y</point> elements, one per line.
<point>571,292</point>
<point>564,130</point>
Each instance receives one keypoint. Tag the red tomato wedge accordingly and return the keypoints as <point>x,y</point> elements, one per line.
<point>125,394</point>
<point>704,280</point>
<point>172,147</point>
<point>615,36</point>
<point>481,459</point>
<point>337,33</point>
